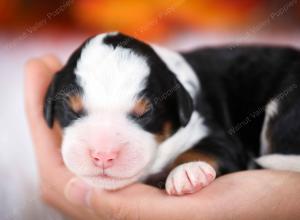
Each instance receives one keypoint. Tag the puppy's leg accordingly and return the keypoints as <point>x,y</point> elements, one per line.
<point>281,134</point>
<point>189,178</point>
<point>198,167</point>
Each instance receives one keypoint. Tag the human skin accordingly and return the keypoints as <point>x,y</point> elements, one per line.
<point>261,194</point>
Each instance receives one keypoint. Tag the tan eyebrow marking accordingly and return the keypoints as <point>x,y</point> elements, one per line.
<point>141,106</point>
<point>75,102</point>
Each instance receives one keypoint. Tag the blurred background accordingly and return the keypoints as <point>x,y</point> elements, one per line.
<point>156,20</point>
<point>30,28</point>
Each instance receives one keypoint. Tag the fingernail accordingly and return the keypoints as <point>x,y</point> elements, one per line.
<point>78,192</point>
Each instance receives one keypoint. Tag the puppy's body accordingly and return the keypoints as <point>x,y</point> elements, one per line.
<point>137,112</point>
<point>241,89</point>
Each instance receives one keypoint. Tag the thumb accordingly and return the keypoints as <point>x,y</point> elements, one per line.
<point>131,202</point>
<point>99,201</point>
<point>78,192</point>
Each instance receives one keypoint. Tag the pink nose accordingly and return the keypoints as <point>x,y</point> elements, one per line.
<point>103,160</point>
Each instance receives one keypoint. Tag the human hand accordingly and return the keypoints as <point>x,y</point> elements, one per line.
<point>262,194</point>
<point>245,195</point>
<point>53,174</point>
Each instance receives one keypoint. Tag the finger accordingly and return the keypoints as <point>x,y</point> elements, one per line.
<point>37,79</point>
<point>58,201</point>
<point>119,204</point>
<point>52,62</point>
<point>46,141</point>
<point>53,174</point>
<point>81,193</point>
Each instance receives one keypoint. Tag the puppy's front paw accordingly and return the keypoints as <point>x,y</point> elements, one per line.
<point>189,178</point>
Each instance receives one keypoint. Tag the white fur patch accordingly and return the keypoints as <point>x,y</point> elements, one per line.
<point>181,141</point>
<point>280,162</point>
<point>183,71</point>
<point>271,111</point>
<point>272,108</point>
<point>111,77</point>
<point>108,132</point>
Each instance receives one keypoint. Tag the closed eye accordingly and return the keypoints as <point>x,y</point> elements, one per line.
<point>73,115</point>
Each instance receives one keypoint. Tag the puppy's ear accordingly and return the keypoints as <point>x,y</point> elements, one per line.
<point>49,102</point>
<point>184,104</point>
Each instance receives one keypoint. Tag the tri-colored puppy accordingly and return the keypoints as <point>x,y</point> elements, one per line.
<point>131,111</point>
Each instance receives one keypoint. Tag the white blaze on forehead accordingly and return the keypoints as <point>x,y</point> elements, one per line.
<point>111,78</point>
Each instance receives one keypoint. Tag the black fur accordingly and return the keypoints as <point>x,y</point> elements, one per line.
<point>63,84</point>
<point>236,87</point>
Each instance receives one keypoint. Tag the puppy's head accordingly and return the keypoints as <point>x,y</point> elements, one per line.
<point>117,101</point>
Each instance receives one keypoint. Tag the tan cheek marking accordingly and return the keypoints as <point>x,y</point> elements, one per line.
<point>141,107</point>
<point>75,102</point>
<point>166,132</point>
<point>193,155</point>
<point>57,132</point>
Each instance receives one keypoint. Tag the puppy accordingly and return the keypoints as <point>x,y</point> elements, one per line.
<point>131,112</point>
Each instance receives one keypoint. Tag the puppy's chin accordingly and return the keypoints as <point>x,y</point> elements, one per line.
<point>110,183</point>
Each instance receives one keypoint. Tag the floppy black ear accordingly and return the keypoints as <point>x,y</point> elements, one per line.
<point>184,103</point>
<point>49,103</point>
